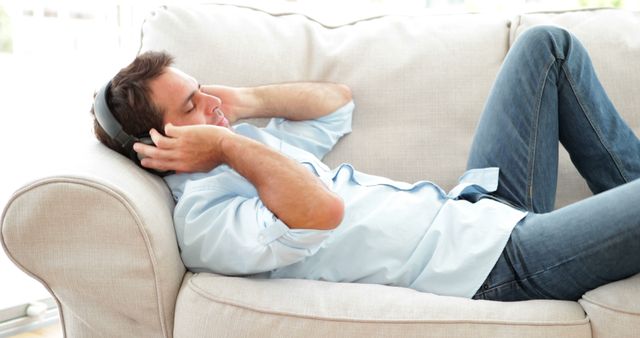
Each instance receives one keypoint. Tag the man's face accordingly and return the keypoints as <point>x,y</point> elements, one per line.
<point>179,96</point>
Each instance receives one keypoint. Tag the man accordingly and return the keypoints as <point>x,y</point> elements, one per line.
<point>253,201</point>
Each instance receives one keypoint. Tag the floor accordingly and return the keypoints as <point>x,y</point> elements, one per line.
<point>54,331</point>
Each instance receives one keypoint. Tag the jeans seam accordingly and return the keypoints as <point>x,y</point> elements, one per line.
<point>597,131</point>
<point>534,138</point>
<point>533,276</point>
<point>510,265</point>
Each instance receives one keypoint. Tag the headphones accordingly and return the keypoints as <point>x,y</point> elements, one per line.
<point>113,128</point>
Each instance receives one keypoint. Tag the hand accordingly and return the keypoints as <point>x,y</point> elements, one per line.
<point>293,101</point>
<point>235,101</point>
<point>194,148</point>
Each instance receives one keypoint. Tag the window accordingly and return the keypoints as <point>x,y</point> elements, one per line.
<point>52,55</point>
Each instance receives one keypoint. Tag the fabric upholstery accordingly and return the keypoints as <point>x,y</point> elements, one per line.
<point>100,235</point>
<point>419,83</point>
<point>101,239</point>
<point>614,309</point>
<point>231,307</point>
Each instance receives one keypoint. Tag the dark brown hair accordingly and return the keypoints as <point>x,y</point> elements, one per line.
<point>130,98</point>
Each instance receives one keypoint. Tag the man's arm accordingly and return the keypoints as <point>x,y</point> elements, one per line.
<point>292,101</point>
<point>291,192</point>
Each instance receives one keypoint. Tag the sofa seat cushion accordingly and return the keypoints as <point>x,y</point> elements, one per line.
<point>615,308</point>
<point>210,305</point>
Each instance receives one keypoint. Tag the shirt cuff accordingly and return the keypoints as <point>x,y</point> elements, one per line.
<point>309,240</point>
<point>274,231</point>
<point>482,181</point>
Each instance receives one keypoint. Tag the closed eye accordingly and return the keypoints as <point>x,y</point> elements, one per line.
<point>190,99</point>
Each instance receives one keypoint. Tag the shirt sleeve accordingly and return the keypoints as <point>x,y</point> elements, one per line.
<point>226,230</point>
<point>476,182</point>
<point>316,136</point>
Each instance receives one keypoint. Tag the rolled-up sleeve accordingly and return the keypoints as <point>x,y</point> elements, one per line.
<point>480,180</point>
<point>225,229</point>
<point>316,136</point>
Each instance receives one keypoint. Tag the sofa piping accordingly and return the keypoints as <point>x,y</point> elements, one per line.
<point>608,307</point>
<point>202,292</point>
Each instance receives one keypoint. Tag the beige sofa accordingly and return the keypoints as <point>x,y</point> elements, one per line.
<point>100,236</point>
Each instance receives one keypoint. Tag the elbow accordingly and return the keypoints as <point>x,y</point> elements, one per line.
<point>323,212</point>
<point>335,96</point>
<point>345,93</point>
<point>331,214</point>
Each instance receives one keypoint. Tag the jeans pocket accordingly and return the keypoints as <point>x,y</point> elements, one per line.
<point>510,291</point>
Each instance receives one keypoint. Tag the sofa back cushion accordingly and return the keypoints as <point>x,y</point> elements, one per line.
<point>419,82</point>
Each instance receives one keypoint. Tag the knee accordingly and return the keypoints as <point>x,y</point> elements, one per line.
<point>553,38</point>
<point>543,32</point>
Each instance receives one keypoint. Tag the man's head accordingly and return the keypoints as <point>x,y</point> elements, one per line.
<point>149,93</point>
<point>184,102</point>
<point>130,101</point>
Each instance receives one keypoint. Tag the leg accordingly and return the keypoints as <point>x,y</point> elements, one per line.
<point>546,92</point>
<point>569,251</point>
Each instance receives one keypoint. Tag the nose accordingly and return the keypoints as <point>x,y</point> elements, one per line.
<point>211,102</point>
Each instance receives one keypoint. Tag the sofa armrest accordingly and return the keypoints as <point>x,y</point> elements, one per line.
<point>101,239</point>
<point>614,309</point>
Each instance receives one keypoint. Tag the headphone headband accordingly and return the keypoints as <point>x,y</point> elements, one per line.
<point>108,122</point>
<point>113,128</point>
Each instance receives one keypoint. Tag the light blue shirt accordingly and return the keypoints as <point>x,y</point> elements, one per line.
<point>393,233</point>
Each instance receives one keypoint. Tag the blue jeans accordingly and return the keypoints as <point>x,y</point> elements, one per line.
<point>547,91</point>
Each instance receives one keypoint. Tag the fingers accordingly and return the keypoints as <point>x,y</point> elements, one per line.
<point>213,89</point>
<point>207,89</point>
<point>162,156</point>
<point>161,141</point>
<point>172,130</point>
<point>145,149</point>
<point>163,147</point>
<point>157,164</point>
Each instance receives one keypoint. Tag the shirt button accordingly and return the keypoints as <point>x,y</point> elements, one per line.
<point>261,238</point>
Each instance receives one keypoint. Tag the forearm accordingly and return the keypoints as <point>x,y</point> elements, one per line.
<point>294,101</point>
<point>292,193</point>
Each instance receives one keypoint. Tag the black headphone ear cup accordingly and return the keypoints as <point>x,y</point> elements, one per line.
<point>145,140</point>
